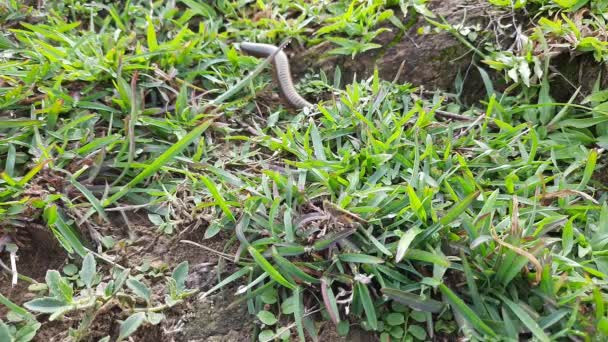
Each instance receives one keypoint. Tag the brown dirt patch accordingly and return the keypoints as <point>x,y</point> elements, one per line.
<point>196,319</point>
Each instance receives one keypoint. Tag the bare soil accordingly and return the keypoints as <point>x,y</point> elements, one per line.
<point>438,60</point>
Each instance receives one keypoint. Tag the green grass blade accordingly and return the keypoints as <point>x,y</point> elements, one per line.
<point>466,311</point>
<point>468,273</point>
<point>420,255</point>
<point>299,312</point>
<point>15,308</point>
<point>31,173</point>
<point>589,168</point>
<point>292,269</point>
<point>405,241</point>
<point>368,304</point>
<point>236,275</point>
<point>360,258</point>
<point>525,318</point>
<point>267,267</point>
<point>329,299</point>
<point>413,301</point>
<point>169,154</point>
<point>16,123</point>
<point>458,209</point>
<point>91,198</point>
<point>218,197</point>
<point>65,233</point>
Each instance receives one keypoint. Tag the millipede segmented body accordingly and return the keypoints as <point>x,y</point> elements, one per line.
<point>281,66</point>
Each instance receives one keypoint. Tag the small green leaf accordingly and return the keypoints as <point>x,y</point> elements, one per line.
<point>394,318</point>
<point>5,334</point>
<point>212,230</point>
<point>397,332</point>
<point>70,269</point>
<point>37,287</point>
<point>596,97</point>
<point>180,274</point>
<point>154,317</point>
<point>266,335</point>
<point>200,8</point>
<point>299,312</point>
<point>59,287</point>
<point>88,271</point>
<point>108,242</point>
<point>66,234</point>
<point>267,317</point>
<point>288,226</point>
<point>130,325</point>
<point>416,203</point>
<point>97,206</point>
<point>566,3</point>
<point>329,299</point>
<point>27,332</point>
<point>46,305</point>
<point>119,280</point>
<point>269,296</point>
<point>288,305</point>
<point>418,316</point>
<point>140,289</point>
<point>317,142</point>
<point>589,168</point>
<point>417,331</point>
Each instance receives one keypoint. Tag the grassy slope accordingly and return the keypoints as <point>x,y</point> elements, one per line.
<point>371,194</point>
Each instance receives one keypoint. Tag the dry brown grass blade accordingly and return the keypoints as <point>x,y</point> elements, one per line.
<point>564,193</point>
<point>526,254</point>
<point>515,230</point>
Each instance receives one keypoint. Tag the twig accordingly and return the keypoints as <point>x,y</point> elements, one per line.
<point>101,257</point>
<point>130,207</point>
<point>449,115</point>
<point>164,307</point>
<point>287,328</point>
<point>399,71</point>
<point>453,116</point>
<point>13,256</point>
<point>474,123</point>
<point>220,254</point>
<point>128,224</point>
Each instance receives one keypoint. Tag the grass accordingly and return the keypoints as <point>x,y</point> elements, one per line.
<point>369,210</point>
